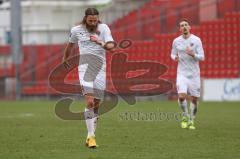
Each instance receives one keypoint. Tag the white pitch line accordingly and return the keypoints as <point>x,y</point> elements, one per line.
<point>22,115</point>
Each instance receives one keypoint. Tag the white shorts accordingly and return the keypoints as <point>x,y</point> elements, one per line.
<point>93,82</point>
<point>190,86</point>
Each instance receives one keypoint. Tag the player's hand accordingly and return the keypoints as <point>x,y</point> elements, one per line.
<point>66,64</point>
<point>113,50</point>
<point>93,38</point>
<point>177,58</point>
<point>190,52</point>
<point>110,46</point>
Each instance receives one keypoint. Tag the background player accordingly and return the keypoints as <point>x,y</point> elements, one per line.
<point>187,50</point>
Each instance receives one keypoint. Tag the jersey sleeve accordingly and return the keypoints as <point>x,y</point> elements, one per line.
<point>107,34</point>
<point>199,51</point>
<point>73,36</point>
<point>174,50</point>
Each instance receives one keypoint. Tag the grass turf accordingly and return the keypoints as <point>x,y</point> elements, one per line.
<point>31,130</point>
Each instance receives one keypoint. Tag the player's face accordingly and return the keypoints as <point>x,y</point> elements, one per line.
<point>184,27</point>
<point>92,20</point>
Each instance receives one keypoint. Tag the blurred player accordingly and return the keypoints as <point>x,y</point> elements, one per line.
<point>92,37</point>
<point>187,50</point>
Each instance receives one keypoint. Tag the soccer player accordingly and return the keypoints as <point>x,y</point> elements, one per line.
<point>93,37</point>
<point>187,50</point>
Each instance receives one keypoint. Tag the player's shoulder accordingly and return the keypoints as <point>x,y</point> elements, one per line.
<point>177,38</point>
<point>103,26</point>
<point>195,37</point>
<point>76,28</point>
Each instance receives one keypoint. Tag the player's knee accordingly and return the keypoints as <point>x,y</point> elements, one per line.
<point>90,102</point>
<point>96,103</point>
<point>194,100</point>
<point>182,97</point>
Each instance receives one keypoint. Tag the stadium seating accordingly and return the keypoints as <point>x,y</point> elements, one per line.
<point>154,17</point>
<point>220,37</point>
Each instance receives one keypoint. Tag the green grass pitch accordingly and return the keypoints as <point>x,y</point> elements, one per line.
<point>31,130</point>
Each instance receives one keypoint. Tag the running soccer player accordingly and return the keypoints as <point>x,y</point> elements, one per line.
<point>92,37</point>
<point>187,50</point>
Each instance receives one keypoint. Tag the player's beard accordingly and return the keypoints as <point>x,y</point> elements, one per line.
<point>91,29</point>
<point>185,32</point>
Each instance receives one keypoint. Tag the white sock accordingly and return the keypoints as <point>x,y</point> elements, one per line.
<point>89,118</point>
<point>184,107</point>
<point>95,118</point>
<point>193,111</point>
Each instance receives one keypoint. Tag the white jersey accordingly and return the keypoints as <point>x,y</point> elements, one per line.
<point>92,67</point>
<point>188,66</point>
<point>82,36</point>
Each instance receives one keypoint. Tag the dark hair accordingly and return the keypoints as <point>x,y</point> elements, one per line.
<point>90,11</point>
<point>183,20</point>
